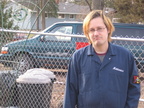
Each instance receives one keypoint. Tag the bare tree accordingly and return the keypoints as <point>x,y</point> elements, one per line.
<point>98,4</point>
<point>43,14</point>
<point>89,4</point>
<point>95,4</point>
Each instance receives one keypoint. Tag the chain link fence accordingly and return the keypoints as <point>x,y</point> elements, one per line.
<point>33,71</point>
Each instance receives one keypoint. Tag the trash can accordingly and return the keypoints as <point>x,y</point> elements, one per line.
<point>35,88</point>
<point>8,88</point>
<point>36,71</point>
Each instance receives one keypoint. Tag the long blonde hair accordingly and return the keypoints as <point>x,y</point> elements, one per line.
<point>94,14</point>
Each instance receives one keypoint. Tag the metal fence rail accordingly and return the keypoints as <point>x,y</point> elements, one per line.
<point>47,55</point>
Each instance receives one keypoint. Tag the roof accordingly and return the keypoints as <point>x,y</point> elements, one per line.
<point>71,8</point>
<point>64,7</point>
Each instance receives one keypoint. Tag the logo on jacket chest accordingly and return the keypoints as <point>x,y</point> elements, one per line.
<point>118,69</point>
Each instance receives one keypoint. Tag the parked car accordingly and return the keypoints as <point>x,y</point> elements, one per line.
<point>55,51</point>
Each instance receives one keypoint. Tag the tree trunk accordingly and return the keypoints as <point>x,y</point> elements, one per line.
<point>97,4</point>
<point>43,15</point>
<point>37,22</point>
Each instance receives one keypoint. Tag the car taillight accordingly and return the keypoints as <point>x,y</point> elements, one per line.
<point>4,50</point>
<point>81,45</point>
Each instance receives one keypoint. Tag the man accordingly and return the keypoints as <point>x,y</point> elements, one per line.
<point>101,75</point>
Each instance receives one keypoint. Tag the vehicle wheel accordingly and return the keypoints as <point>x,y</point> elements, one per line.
<point>22,63</point>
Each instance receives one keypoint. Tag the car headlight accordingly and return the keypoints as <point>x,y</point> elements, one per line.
<point>4,50</point>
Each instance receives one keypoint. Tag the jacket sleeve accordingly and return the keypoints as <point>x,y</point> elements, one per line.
<point>71,90</point>
<point>134,86</point>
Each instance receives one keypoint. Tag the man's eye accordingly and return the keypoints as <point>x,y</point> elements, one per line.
<point>91,30</point>
<point>99,29</point>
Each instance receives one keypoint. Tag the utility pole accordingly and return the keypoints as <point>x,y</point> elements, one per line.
<point>97,4</point>
<point>38,10</point>
<point>43,14</point>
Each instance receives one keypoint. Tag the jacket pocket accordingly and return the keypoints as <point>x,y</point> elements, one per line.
<point>116,81</point>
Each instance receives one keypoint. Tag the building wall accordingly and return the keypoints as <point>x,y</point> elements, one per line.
<point>49,21</point>
<point>29,22</point>
<point>21,16</point>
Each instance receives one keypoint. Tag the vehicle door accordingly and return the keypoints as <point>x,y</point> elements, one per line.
<point>56,49</point>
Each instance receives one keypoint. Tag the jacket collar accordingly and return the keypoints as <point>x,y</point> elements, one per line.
<point>111,50</point>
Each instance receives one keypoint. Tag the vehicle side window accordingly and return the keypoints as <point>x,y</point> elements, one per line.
<point>57,38</point>
<point>128,32</point>
<point>60,30</point>
<point>79,30</point>
<point>50,38</point>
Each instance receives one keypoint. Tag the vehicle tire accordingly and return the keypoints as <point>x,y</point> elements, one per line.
<point>22,62</point>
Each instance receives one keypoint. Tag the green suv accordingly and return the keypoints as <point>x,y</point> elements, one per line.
<point>54,51</point>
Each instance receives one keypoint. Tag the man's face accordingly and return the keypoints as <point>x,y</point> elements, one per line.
<point>98,33</point>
